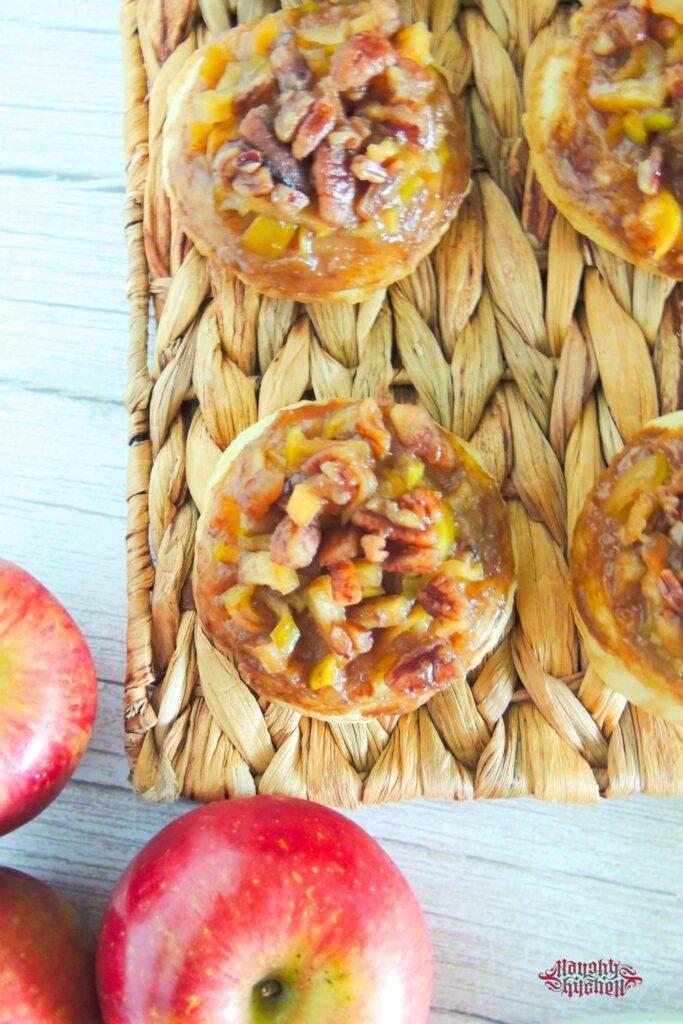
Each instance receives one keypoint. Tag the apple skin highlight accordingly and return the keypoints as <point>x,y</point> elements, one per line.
<point>48,697</point>
<point>260,910</point>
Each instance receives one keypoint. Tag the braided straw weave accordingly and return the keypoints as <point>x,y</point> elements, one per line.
<point>543,350</point>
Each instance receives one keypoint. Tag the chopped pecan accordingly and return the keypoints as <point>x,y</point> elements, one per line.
<point>352,134</point>
<point>329,91</point>
<point>444,598</point>
<point>342,483</point>
<point>257,491</point>
<point>334,184</point>
<point>255,183</point>
<point>418,535</point>
<point>340,545</point>
<point>316,124</point>
<point>671,589</point>
<point>408,124</point>
<point>366,169</point>
<point>257,129</point>
<point>294,546</point>
<point>290,69</point>
<point>288,200</point>
<point>293,108</point>
<point>360,59</point>
<point>432,664</point>
<point>249,161</point>
<point>372,202</point>
<point>348,640</point>
<point>225,162</point>
<point>406,81</point>
<point>424,502</point>
<point>374,547</point>
<point>328,24</point>
<point>346,589</point>
<point>420,435</point>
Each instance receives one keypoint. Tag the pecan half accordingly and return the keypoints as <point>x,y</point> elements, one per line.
<point>406,81</point>
<point>434,663</point>
<point>366,169</point>
<point>293,108</point>
<point>340,545</point>
<point>317,123</point>
<point>288,200</point>
<point>257,128</point>
<point>290,69</point>
<point>254,183</point>
<point>334,185</point>
<point>444,598</point>
<point>346,589</point>
<point>294,546</point>
<point>360,59</point>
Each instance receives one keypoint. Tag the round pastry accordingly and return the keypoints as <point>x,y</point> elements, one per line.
<point>626,570</point>
<point>605,125</point>
<point>354,557</point>
<point>317,152</point>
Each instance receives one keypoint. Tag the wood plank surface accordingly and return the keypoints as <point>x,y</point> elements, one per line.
<point>507,887</point>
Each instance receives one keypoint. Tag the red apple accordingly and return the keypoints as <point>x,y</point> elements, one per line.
<point>48,696</point>
<point>47,963</point>
<point>264,911</point>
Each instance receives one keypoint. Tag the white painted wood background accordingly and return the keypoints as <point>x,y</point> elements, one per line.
<point>507,887</point>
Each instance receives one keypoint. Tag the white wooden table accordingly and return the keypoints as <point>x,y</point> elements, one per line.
<point>507,887</point>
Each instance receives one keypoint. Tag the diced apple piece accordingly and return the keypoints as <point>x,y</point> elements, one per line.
<point>459,570</point>
<point>384,150</point>
<point>213,65</point>
<point>232,75</point>
<point>631,94</point>
<point>634,128</point>
<point>271,657</point>
<point>323,34</point>
<point>379,612</point>
<point>368,574</point>
<point>668,9</point>
<point>256,567</point>
<point>418,620</point>
<point>286,633</point>
<point>445,530</point>
<point>660,120</point>
<point>268,237</point>
<point>415,42</point>
<point>645,475</point>
<point>212,107</point>
<point>303,505</point>
<point>661,216</point>
<point>298,447</point>
<point>224,552</point>
<point>322,606</point>
<point>238,602</point>
<point>199,136</point>
<point>265,33</point>
<point>235,595</point>
<point>326,672</point>
<point>341,422</point>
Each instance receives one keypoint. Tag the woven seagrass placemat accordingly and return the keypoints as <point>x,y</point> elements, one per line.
<point>542,349</point>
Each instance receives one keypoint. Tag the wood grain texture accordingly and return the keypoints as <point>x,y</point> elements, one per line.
<point>508,886</point>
